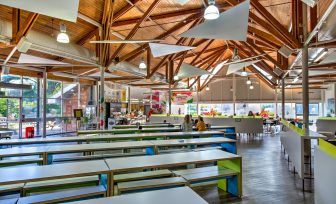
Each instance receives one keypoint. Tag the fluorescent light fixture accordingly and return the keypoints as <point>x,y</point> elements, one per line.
<point>176,78</point>
<point>251,87</point>
<point>321,55</point>
<point>207,88</point>
<point>63,74</point>
<point>15,86</point>
<point>248,82</point>
<point>211,12</point>
<point>63,37</point>
<point>296,79</point>
<point>310,3</point>
<point>142,64</point>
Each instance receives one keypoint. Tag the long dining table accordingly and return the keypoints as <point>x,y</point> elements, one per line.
<point>110,137</point>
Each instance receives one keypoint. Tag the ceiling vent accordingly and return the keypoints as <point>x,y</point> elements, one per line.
<point>285,51</point>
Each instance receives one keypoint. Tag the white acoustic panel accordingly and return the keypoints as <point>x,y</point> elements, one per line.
<point>159,49</point>
<point>188,70</point>
<point>231,25</point>
<point>62,9</point>
<point>30,59</point>
<point>321,72</point>
<point>106,75</point>
<point>238,66</point>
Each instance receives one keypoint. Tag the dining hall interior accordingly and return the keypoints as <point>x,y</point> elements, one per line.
<point>167,101</point>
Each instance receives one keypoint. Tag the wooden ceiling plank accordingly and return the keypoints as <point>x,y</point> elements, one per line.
<point>273,31</point>
<point>274,22</point>
<point>124,10</point>
<point>267,56</point>
<point>175,28</point>
<point>16,13</point>
<point>87,37</point>
<point>134,30</point>
<point>159,17</point>
<point>27,26</point>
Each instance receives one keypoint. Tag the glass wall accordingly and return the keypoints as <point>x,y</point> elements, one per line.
<point>23,108</point>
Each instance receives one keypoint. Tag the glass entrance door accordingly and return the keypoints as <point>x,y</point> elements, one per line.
<point>10,115</point>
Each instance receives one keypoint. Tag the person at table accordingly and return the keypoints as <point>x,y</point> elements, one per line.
<point>187,124</point>
<point>250,113</point>
<point>200,126</point>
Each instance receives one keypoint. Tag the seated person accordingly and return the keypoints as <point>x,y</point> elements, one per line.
<point>187,125</point>
<point>200,126</point>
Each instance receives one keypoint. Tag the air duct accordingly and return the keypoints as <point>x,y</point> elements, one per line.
<point>46,44</point>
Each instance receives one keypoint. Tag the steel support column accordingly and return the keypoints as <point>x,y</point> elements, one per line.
<point>305,72</point>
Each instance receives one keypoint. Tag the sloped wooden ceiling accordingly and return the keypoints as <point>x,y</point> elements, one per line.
<point>269,24</point>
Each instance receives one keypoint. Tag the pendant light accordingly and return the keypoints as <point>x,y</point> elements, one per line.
<point>248,82</point>
<point>176,78</point>
<point>207,88</point>
<point>211,12</point>
<point>244,73</point>
<point>142,64</point>
<point>63,37</point>
<point>251,87</point>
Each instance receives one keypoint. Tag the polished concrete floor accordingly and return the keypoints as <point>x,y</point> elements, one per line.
<point>266,177</point>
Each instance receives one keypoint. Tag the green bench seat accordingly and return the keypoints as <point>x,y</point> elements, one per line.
<point>12,188</point>
<point>97,156</point>
<point>151,184</point>
<point>57,184</point>
<point>142,175</point>
<point>205,173</point>
<point>15,162</point>
<point>67,195</point>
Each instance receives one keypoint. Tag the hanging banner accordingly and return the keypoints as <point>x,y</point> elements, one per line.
<point>182,97</point>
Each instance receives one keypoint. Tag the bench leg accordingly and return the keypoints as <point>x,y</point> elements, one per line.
<point>49,158</point>
<point>150,151</point>
<point>229,147</point>
<point>233,184</point>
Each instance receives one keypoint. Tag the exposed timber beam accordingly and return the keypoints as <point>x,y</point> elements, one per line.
<point>134,30</point>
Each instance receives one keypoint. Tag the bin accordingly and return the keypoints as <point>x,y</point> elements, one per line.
<point>29,132</point>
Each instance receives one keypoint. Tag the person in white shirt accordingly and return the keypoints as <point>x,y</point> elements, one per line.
<point>187,124</point>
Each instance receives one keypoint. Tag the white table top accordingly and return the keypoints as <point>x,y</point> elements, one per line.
<point>130,129</point>
<point>22,151</point>
<point>155,161</point>
<point>5,131</point>
<point>181,195</point>
<point>98,146</point>
<point>220,127</point>
<point>199,141</point>
<point>102,137</point>
<point>56,171</point>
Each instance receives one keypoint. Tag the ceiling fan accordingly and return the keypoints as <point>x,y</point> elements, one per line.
<point>124,41</point>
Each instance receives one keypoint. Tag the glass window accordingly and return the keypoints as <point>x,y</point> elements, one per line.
<point>54,89</point>
<point>33,92</point>
<point>313,109</point>
<point>70,91</point>
<point>13,80</point>
<point>191,109</point>
<point>68,106</point>
<point>85,96</point>
<point>53,108</point>
<point>29,107</point>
